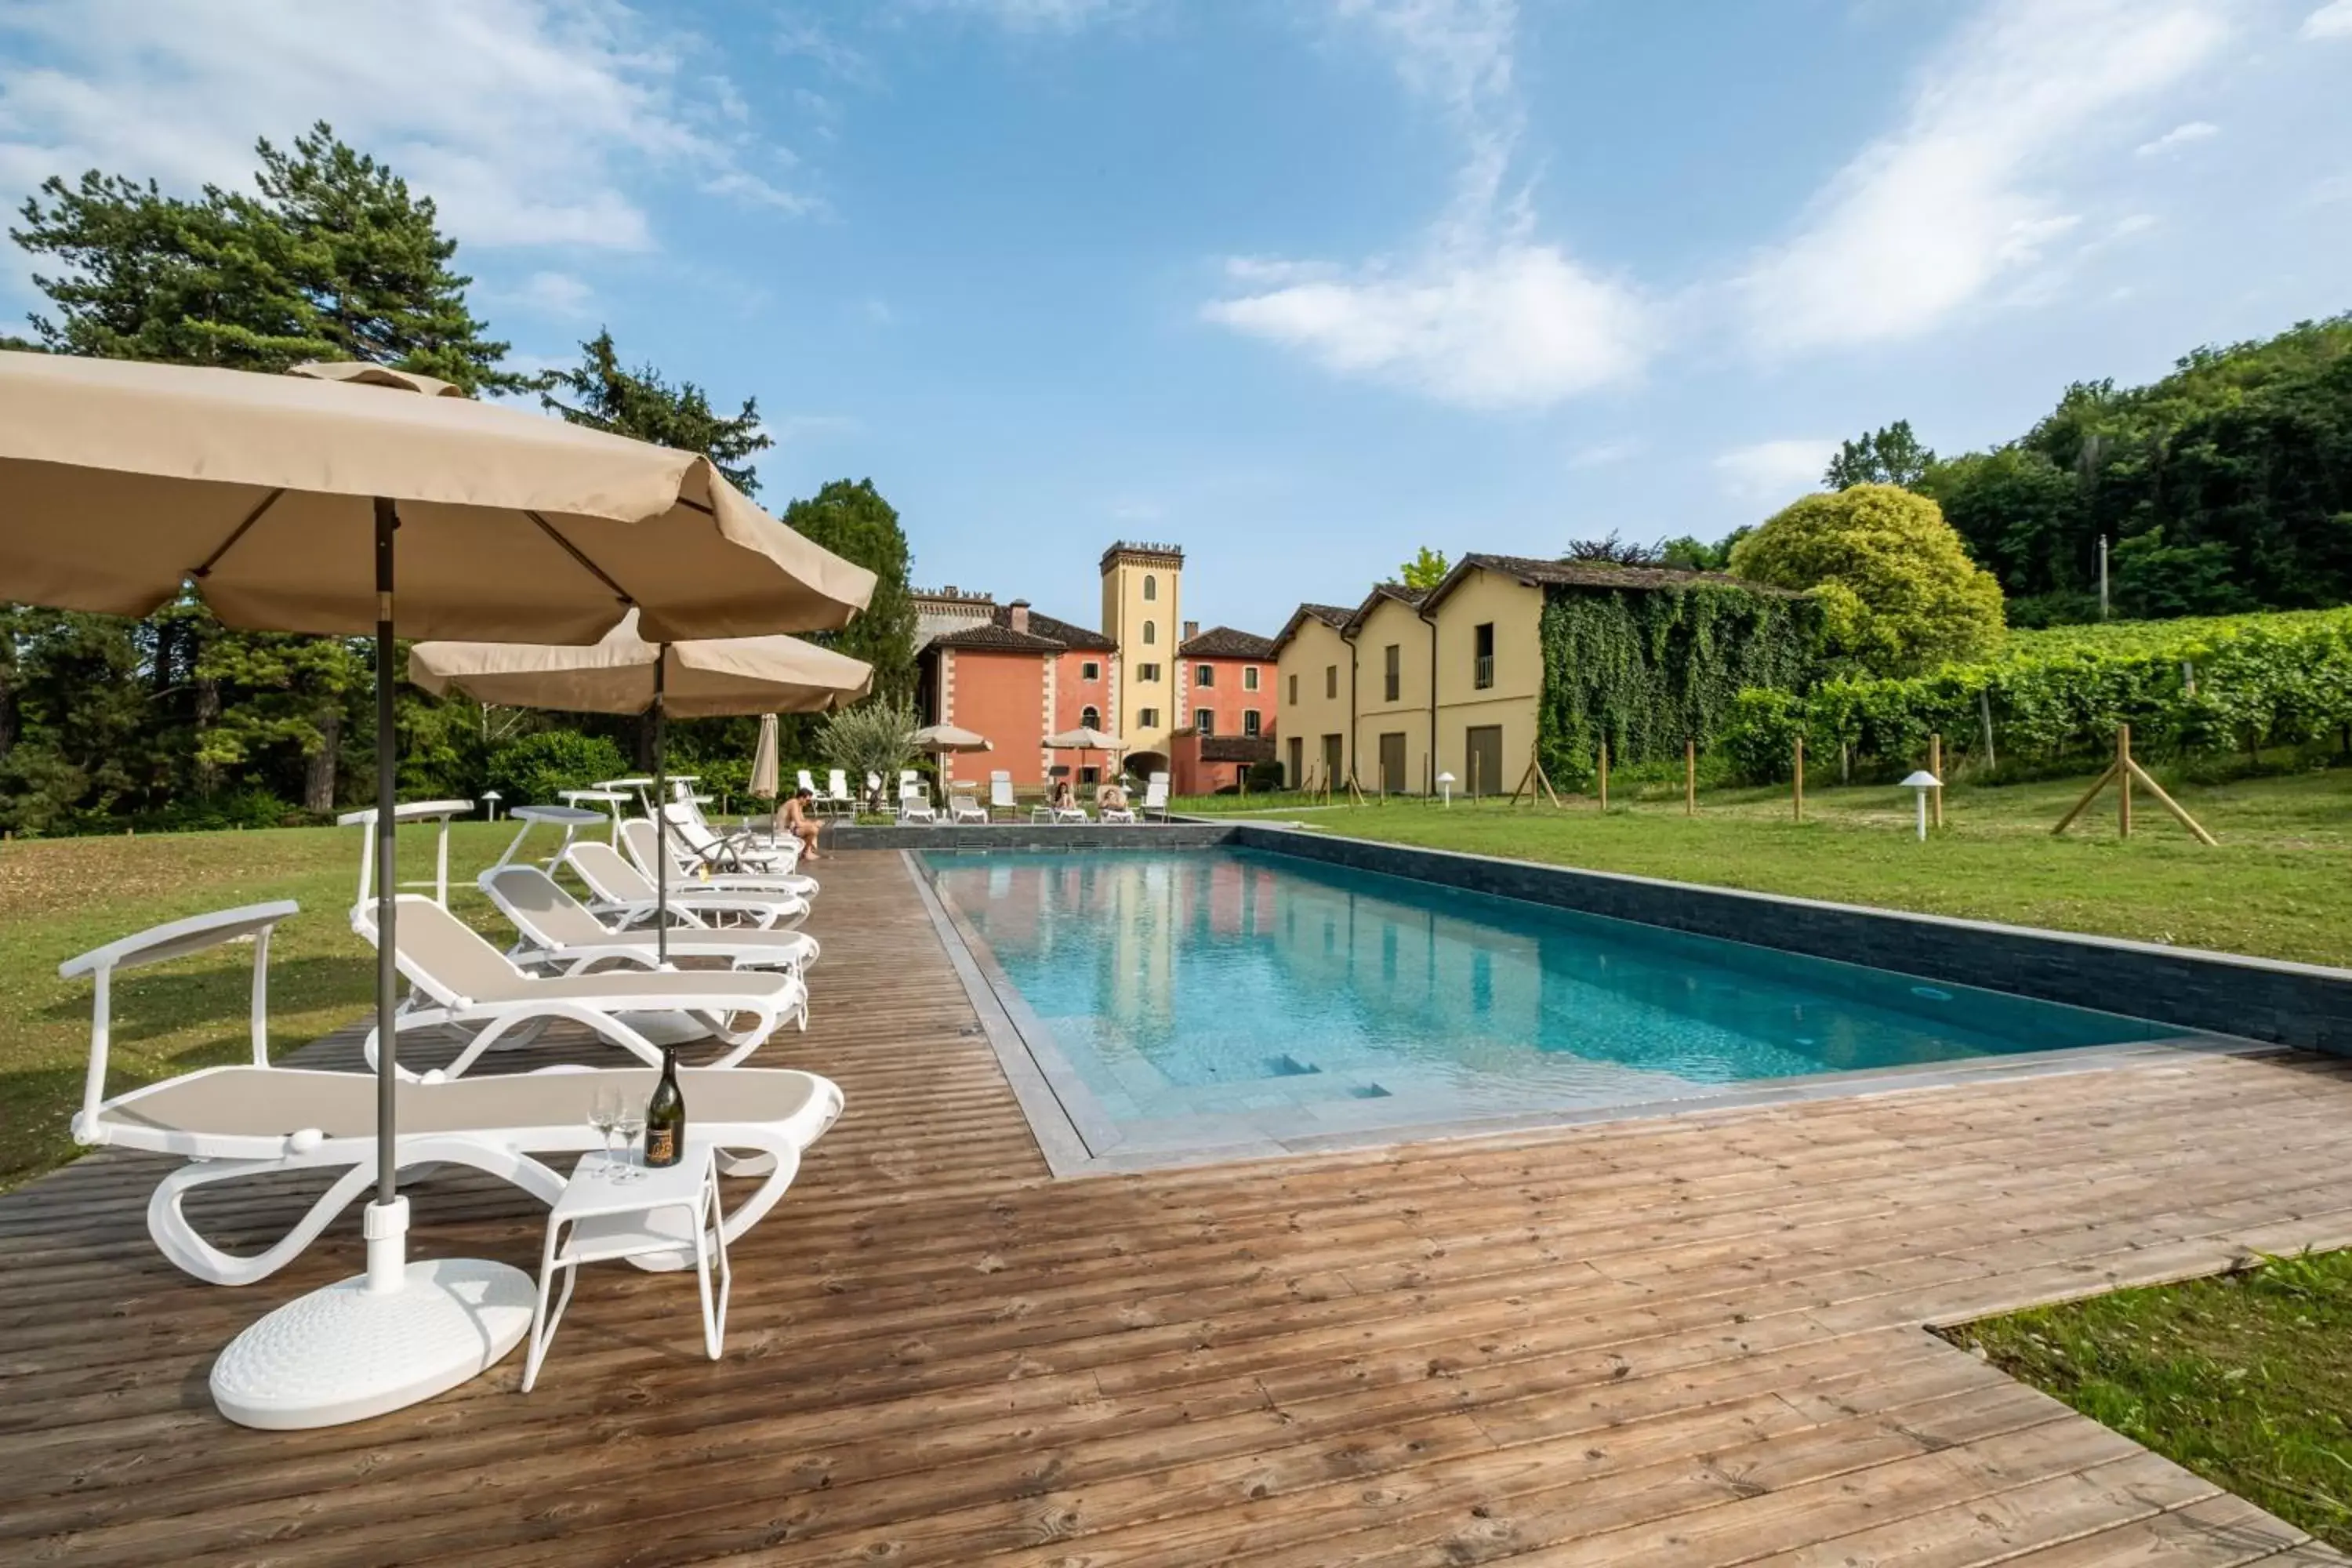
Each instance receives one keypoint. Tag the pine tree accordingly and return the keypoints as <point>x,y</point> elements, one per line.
<point>639,403</point>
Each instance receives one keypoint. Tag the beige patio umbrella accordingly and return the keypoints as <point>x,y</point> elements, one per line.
<point>1084,739</point>
<point>765,784</point>
<point>941,739</point>
<point>625,674</point>
<point>285,503</point>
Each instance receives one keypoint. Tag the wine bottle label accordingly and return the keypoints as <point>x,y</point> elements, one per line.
<point>661,1146</point>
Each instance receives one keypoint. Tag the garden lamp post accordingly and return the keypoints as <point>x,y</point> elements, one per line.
<point>1445,789</point>
<point>1919,784</point>
<point>490,799</point>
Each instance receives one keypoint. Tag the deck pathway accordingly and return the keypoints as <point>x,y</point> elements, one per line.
<point>1689,1341</point>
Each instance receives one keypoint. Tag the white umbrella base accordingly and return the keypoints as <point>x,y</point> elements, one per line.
<point>345,1352</point>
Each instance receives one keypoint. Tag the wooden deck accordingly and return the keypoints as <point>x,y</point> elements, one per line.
<point>1690,1341</point>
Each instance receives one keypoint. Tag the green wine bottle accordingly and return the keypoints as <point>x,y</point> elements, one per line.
<point>665,1117</point>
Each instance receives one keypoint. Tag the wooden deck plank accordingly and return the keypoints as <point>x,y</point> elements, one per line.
<point>1690,1340</point>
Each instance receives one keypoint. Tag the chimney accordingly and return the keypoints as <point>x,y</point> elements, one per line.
<point>1018,615</point>
<point>1191,630</point>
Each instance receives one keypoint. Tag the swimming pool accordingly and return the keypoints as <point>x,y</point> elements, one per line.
<point>1238,999</point>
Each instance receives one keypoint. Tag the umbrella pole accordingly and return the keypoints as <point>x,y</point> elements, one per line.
<point>661,811</point>
<point>386,1252</point>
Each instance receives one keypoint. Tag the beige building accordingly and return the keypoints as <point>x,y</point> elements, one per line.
<point>1142,587</point>
<point>1410,687</point>
<point>1490,676</point>
<point>1315,682</point>
<point>1394,708</point>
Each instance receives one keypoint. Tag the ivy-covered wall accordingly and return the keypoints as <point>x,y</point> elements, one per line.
<point>1648,668</point>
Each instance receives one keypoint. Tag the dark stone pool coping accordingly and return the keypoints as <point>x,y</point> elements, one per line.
<point>2303,1005</point>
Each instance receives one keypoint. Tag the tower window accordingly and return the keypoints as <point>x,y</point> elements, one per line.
<point>1150,588</point>
<point>1090,716</point>
<point>1150,632</point>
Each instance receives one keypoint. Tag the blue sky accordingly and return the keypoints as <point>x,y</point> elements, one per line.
<point>1299,284</point>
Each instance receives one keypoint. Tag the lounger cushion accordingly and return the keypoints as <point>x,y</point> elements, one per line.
<point>248,1101</point>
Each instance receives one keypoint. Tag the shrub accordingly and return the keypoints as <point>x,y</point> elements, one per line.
<point>535,769</point>
<point>874,737</point>
<point>1265,774</point>
<point>1898,593</point>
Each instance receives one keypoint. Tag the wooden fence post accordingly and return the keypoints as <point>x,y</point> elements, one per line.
<point>1604,777</point>
<point>1936,766</point>
<point>2123,779</point>
<point>1800,797</point>
<point>1984,718</point>
<point>1690,778</point>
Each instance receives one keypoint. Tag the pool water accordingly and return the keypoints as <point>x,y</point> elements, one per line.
<point>1231,995</point>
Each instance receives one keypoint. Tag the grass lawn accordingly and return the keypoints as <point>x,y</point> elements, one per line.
<point>2242,1379</point>
<point>2279,886</point>
<point>64,896</point>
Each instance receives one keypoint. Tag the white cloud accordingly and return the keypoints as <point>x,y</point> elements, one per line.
<point>1772,472</point>
<point>1033,15</point>
<point>555,294</point>
<point>1480,313</point>
<point>1927,219</point>
<point>1603,454</point>
<point>2179,136</point>
<point>2333,20</point>
<point>523,119</point>
<point>1518,326</point>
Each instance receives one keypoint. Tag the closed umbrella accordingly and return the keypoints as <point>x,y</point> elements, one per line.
<point>303,504</point>
<point>625,674</point>
<point>765,785</point>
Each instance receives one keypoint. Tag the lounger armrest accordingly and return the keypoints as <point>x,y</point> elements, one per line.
<point>158,944</point>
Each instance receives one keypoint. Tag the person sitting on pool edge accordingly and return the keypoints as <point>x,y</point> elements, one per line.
<point>800,823</point>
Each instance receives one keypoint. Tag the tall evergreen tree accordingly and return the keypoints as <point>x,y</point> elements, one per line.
<point>1889,457</point>
<point>853,520</point>
<point>639,403</point>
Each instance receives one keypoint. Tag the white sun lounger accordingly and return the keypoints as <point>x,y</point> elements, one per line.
<point>690,868</point>
<point>460,980</point>
<point>963,807</point>
<point>1155,797</point>
<point>626,893</point>
<point>1000,794</point>
<point>238,1122</point>
<point>560,930</point>
<point>697,850</point>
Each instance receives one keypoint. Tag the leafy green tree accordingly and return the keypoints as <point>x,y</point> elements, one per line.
<point>283,691</point>
<point>1898,593</point>
<point>852,520</point>
<point>1889,457</point>
<point>1424,570</point>
<point>1610,550</point>
<point>639,403</point>
<point>1694,554</point>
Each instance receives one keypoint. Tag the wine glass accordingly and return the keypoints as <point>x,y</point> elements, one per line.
<point>603,1114</point>
<point>629,1123</point>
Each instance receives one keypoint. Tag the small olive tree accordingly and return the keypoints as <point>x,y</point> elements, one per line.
<point>874,738</point>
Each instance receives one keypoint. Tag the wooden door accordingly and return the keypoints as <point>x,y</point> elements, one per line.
<point>1392,779</point>
<point>1482,746</point>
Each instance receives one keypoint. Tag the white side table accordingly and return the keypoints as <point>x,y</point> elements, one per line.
<point>673,1210</point>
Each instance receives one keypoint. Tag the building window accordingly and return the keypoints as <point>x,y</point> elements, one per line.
<point>1204,720</point>
<point>1091,670</point>
<point>1330,680</point>
<point>1150,632</point>
<point>1483,656</point>
<point>1392,672</point>
<point>1150,589</point>
<point>1249,678</point>
<point>1249,722</point>
<point>1144,672</point>
<point>1148,718</point>
<point>1205,675</point>
<point>1294,689</point>
<point>1090,717</point>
